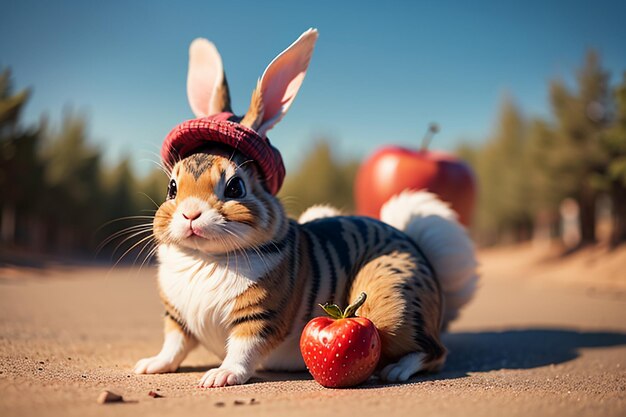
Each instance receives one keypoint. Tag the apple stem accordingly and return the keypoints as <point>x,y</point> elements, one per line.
<point>433,129</point>
<point>335,311</point>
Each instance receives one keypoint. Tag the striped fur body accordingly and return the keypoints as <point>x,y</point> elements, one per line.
<point>273,291</point>
<point>240,278</point>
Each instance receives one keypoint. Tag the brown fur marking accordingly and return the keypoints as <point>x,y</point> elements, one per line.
<point>254,116</point>
<point>403,306</point>
<point>222,97</point>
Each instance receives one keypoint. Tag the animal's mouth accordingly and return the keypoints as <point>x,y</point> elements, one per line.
<point>211,237</point>
<point>197,234</point>
<point>194,232</point>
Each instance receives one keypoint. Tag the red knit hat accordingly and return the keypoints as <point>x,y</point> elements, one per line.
<point>186,139</point>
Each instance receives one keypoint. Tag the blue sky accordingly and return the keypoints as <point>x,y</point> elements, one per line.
<point>380,73</point>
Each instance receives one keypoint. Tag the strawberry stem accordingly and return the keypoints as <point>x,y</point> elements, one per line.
<point>352,308</point>
<point>334,311</point>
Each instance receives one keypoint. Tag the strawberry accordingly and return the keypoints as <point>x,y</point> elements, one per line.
<point>341,350</point>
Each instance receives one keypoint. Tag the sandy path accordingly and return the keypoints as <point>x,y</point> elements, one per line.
<point>524,347</point>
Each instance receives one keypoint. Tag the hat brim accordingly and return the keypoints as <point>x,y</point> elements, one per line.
<point>190,136</point>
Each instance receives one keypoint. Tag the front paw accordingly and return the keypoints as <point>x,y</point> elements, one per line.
<point>155,365</point>
<point>224,376</point>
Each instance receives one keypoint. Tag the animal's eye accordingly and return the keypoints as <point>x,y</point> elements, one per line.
<point>235,188</point>
<point>171,189</point>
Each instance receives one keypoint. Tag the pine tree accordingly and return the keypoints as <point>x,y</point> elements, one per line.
<point>72,175</point>
<point>581,117</point>
<point>613,179</point>
<point>501,167</point>
<point>20,170</point>
<point>321,179</point>
<point>153,190</point>
<point>121,191</point>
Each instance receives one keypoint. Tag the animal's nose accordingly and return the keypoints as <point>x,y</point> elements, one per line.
<point>192,215</point>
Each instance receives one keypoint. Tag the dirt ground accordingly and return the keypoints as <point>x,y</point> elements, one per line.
<point>541,338</point>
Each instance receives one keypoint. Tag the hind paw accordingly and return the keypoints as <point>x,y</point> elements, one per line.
<point>402,370</point>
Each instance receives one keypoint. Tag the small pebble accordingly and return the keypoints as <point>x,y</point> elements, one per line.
<point>154,394</point>
<point>109,397</point>
<point>239,402</point>
<point>219,404</point>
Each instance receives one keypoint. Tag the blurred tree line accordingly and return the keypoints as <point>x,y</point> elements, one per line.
<point>320,178</point>
<point>530,166</point>
<point>57,195</point>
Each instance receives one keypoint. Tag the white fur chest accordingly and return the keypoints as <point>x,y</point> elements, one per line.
<point>203,290</point>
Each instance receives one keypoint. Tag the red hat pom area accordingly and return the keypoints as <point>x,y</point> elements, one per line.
<point>191,135</point>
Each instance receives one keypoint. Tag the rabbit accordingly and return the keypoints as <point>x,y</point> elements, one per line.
<point>240,278</point>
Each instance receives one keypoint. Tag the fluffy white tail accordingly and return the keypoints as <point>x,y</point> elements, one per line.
<point>433,226</point>
<point>318,211</point>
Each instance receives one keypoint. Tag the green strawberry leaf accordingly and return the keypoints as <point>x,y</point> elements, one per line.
<point>332,310</point>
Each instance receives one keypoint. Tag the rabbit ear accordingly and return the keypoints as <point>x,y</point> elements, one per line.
<point>279,84</point>
<point>207,89</point>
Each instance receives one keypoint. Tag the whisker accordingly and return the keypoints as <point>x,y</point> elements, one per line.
<point>232,155</point>
<point>243,163</point>
<point>122,232</point>
<point>134,235</point>
<point>150,198</point>
<point>157,163</point>
<point>240,249</point>
<point>253,247</point>
<point>149,255</point>
<point>130,249</point>
<point>146,245</point>
<point>122,219</point>
<point>236,259</point>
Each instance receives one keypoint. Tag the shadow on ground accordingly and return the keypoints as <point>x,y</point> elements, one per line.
<point>261,376</point>
<point>519,349</point>
<point>489,351</point>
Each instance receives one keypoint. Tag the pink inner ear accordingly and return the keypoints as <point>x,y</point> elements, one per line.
<point>282,89</point>
<point>283,77</point>
<point>204,77</point>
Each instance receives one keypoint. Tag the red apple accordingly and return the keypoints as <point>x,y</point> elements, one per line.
<point>392,169</point>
